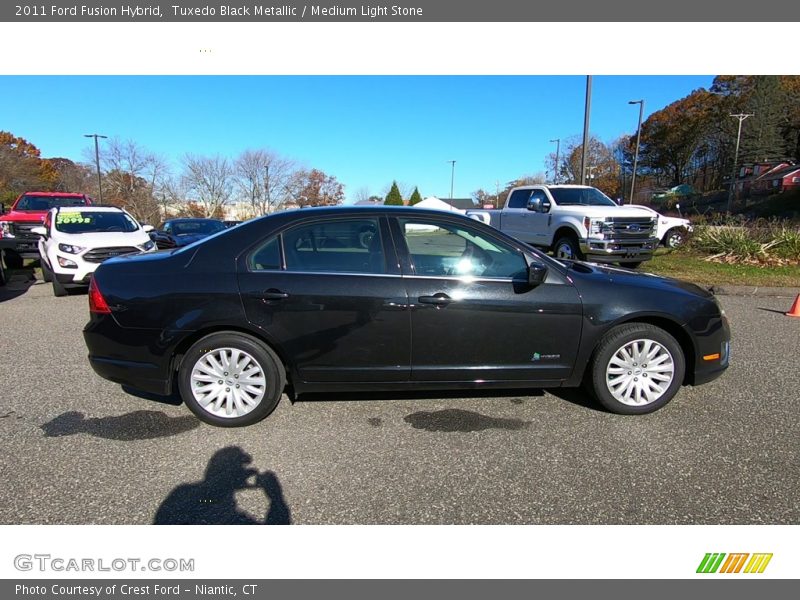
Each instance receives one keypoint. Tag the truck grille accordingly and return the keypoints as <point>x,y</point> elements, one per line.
<point>98,255</point>
<point>631,228</point>
<point>23,230</point>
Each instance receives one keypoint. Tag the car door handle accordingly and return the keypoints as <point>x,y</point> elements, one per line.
<point>273,294</point>
<point>440,299</point>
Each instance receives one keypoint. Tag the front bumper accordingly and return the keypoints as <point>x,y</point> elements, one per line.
<point>603,250</point>
<point>25,247</point>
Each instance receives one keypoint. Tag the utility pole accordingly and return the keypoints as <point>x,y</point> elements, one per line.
<point>452,176</point>
<point>741,117</point>
<point>558,151</point>
<point>97,160</point>
<point>636,154</point>
<point>588,109</point>
<point>266,186</point>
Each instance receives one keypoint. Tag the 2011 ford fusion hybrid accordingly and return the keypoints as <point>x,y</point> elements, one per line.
<point>384,298</point>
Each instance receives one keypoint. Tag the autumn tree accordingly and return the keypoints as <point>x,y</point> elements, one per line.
<point>762,134</point>
<point>262,178</point>
<point>415,198</point>
<point>394,198</point>
<point>22,168</point>
<point>315,188</point>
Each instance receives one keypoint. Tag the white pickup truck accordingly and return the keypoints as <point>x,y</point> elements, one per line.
<point>575,222</point>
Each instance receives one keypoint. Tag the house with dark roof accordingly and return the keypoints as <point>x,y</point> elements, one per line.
<point>779,179</point>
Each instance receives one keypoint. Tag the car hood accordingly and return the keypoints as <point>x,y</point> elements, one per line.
<point>603,211</point>
<point>630,278</point>
<point>18,216</point>
<point>104,239</point>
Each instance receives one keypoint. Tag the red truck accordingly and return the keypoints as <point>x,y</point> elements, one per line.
<point>28,211</point>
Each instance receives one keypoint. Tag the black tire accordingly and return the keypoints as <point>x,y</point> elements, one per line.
<point>268,361</point>
<point>631,265</point>
<point>13,260</point>
<point>566,247</point>
<point>59,290</point>
<point>47,274</point>
<point>2,272</point>
<point>614,341</point>
<point>675,237</point>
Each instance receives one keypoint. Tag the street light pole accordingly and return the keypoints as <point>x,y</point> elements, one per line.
<point>452,176</point>
<point>741,117</point>
<point>636,154</point>
<point>587,110</point>
<point>558,151</point>
<point>97,161</point>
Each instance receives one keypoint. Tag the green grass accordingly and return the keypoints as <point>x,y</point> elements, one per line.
<point>689,267</point>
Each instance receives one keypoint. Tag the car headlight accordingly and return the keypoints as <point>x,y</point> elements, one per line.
<point>70,249</point>
<point>595,227</point>
<point>147,246</point>
<point>5,228</point>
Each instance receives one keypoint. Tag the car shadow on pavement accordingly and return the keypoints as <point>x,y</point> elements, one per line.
<point>138,425</point>
<point>18,282</point>
<point>212,501</point>
<point>174,399</point>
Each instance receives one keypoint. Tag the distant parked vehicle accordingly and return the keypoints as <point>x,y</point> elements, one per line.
<point>177,233</point>
<point>27,212</point>
<point>575,222</point>
<point>74,241</point>
<point>671,231</point>
<point>231,223</point>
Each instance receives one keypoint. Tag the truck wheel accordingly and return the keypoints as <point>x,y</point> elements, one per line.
<point>2,273</point>
<point>675,237</point>
<point>631,265</point>
<point>567,248</point>
<point>58,288</point>
<point>229,380</point>
<point>637,368</point>
<point>13,260</point>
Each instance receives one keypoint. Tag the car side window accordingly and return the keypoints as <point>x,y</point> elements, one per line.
<point>449,250</point>
<point>335,246</point>
<point>519,199</point>
<point>266,257</point>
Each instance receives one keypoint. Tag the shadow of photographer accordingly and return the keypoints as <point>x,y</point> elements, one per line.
<point>212,501</point>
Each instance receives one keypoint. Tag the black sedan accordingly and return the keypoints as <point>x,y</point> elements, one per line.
<point>176,233</point>
<point>427,300</point>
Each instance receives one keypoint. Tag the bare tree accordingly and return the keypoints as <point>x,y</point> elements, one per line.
<point>263,179</point>
<point>131,176</point>
<point>209,181</point>
<point>362,194</point>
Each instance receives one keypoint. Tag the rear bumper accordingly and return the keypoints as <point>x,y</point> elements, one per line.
<point>616,250</point>
<point>138,358</point>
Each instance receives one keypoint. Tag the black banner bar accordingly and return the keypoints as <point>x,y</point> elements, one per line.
<point>404,11</point>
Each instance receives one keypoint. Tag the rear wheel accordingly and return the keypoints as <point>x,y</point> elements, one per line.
<point>229,379</point>
<point>637,369</point>
<point>567,248</point>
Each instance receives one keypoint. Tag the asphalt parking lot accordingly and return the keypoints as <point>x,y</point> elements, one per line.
<point>78,449</point>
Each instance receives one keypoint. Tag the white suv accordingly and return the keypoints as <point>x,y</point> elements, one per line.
<point>75,240</point>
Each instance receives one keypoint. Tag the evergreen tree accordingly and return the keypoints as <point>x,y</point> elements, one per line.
<point>762,134</point>
<point>415,197</point>
<point>394,198</point>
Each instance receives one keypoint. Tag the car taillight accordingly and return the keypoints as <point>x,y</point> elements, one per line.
<point>97,304</point>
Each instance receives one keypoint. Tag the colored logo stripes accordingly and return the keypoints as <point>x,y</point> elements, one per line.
<point>717,562</point>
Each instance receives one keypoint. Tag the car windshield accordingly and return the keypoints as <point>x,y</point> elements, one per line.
<point>197,227</point>
<point>581,196</point>
<point>94,222</point>
<point>47,202</point>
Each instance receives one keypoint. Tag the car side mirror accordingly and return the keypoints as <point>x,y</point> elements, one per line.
<point>537,273</point>
<point>535,204</point>
<point>39,231</point>
<point>147,228</point>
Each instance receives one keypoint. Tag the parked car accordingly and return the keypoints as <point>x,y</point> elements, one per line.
<point>671,231</point>
<point>575,222</point>
<point>231,223</point>
<point>176,233</point>
<point>436,301</point>
<point>74,241</point>
<point>27,212</point>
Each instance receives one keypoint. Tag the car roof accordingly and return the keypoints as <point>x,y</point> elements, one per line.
<point>56,194</point>
<point>191,219</point>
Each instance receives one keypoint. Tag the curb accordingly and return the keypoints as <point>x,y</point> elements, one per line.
<point>760,292</point>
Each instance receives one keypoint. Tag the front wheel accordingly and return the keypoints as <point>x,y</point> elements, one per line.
<point>675,237</point>
<point>59,289</point>
<point>231,380</point>
<point>47,274</point>
<point>567,248</point>
<point>637,369</point>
